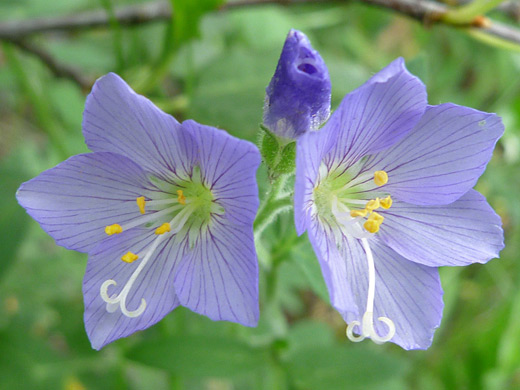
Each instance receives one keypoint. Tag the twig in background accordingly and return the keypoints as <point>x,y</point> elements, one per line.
<point>426,11</point>
<point>58,69</point>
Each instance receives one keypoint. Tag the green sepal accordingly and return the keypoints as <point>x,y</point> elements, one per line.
<point>277,153</point>
<point>270,148</point>
<point>287,159</point>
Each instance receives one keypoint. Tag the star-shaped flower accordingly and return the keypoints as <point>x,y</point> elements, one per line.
<point>165,211</point>
<point>384,191</point>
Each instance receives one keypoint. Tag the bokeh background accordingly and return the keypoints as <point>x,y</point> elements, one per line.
<point>213,66</point>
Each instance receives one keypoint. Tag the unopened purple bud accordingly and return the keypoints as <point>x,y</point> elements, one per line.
<point>298,97</point>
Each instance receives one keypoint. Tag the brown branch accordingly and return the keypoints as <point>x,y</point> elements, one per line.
<point>127,16</point>
<point>58,69</point>
<point>426,11</point>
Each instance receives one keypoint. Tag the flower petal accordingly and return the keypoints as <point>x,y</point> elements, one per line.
<point>118,120</point>
<point>442,158</point>
<point>219,276</point>
<point>463,232</point>
<point>376,115</point>
<point>228,167</point>
<point>154,284</point>
<point>310,149</point>
<point>75,200</point>
<point>407,293</point>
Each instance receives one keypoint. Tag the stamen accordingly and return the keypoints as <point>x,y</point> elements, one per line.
<point>371,226</point>
<point>151,217</point>
<point>380,178</point>
<point>129,257</point>
<point>376,217</point>
<point>386,203</point>
<point>372,204</point>
<point>358,213</point>
<point>350,225</point>
<point>140,203</point>
<point>366,328</point>
<point>165,227</point>
<point>113,229</point>
<point>180,197</point>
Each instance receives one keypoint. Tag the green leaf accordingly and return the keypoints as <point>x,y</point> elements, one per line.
<point>337,367</point>
<point>186,17</point>
<point>308,334</point>
<point>200,356</point>
<point>14,219</point>
<point>305,259</point>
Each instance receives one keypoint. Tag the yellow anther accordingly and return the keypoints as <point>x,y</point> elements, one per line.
<point>372,204</point>
<point>140,203</point>
<point>371,226</point>
<point>386,203</point>
<point>165,227</point>
<point>358,213</point>
<point>129,257</point>
<point>380,178</point>
<point>180,197</point>
<point>376,217</point>
<point>113,229</point>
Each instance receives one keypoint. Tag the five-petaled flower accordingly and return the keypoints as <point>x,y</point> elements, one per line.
<point>297,99</point>
<point>384,191</point>
<point>165,211</point>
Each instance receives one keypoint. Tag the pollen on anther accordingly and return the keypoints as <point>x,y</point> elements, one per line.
<point>113,229</point>
<point>380,178</point>
<point>371,226</point>
<point>141,203</point>
<point>386,203</point>
<point>165,227</point>
<point>372,204</point>
<point>376,217</point>
<point>358,213</point>
<point>129,257</point>
<point>180,197</point>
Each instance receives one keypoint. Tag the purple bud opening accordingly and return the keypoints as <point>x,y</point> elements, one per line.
<point>298,97</point>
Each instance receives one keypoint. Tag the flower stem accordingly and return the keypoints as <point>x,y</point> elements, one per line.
<point>272,205</point>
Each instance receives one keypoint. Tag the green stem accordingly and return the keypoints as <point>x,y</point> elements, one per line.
<point>467,13</point>
<point>271,205</point>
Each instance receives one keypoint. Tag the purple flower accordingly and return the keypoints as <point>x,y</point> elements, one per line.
<point>384,191</point>
<point>165,211</point>
<point>298,97</point>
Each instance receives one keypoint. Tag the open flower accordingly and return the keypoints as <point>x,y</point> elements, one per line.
<point>165,211</point>
<point>298,97</point>
<point>384,191</point>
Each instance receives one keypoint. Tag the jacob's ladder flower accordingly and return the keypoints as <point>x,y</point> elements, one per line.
<point>384,191</point>
<point>165,211</point>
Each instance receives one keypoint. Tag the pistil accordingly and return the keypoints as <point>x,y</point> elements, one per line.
<point>173,227</point>
<point>366,326</point>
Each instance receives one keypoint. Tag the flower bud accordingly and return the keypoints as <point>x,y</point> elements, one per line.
<point>298,97</point>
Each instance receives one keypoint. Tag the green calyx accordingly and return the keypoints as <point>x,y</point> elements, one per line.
<point>279,154</point>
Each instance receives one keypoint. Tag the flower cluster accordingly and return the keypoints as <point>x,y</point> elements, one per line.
<point>165,210</point>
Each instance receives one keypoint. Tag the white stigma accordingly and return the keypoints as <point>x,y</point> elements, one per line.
<point>366,327</point>
<point>114,300</point>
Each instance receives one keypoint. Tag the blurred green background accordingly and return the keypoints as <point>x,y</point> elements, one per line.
<point>213,66</point>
